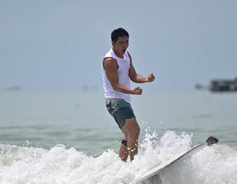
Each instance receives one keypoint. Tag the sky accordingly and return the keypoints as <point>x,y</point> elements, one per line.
<point>59,44</point>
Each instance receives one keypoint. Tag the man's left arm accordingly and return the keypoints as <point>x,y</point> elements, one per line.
<point>138,78</point>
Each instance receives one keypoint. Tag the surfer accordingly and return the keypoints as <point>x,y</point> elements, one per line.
<point>117,71</point>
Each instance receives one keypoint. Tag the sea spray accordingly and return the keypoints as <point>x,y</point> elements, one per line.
<point>216,164</point>
<point>59,165</point>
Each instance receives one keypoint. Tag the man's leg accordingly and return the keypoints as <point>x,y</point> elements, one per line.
<point>123,151</point>
<point>131,131</point>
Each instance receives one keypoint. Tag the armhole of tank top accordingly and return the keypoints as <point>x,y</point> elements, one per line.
<point>109,57</point>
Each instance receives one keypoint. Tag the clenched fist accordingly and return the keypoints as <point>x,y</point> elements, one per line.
<point>137,91</point>
<point>150,78</point>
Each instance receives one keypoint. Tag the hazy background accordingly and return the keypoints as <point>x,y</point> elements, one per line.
<point>53,49</point>
<point>58,44</point>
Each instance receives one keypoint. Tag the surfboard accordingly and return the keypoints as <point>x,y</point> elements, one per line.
<point>153,174</point>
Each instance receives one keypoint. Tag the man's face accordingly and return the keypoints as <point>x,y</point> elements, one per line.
<point>121,45</point>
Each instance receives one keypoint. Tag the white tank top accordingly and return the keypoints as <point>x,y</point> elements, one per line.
<point>123,72</point>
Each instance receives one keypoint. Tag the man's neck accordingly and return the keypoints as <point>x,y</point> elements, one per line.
<point>117,54</point>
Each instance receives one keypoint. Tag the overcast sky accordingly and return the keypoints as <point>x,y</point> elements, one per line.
<point>61,43</point>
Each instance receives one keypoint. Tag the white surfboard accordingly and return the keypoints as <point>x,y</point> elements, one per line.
<point>153,174</point>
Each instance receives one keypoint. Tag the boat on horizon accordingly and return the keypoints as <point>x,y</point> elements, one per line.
<point>223,85</point>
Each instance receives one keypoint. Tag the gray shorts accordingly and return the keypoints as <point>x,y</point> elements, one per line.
<point>120,110</point>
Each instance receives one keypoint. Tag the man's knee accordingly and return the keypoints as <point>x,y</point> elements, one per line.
<point>135,130</point>
<point>132,127</point>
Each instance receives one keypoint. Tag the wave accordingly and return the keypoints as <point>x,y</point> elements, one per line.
<point>59,165</point>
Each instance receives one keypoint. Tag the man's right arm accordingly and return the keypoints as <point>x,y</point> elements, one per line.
<point>111,70</point>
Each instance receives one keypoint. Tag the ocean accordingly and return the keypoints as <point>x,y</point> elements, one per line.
<point>50,137</point>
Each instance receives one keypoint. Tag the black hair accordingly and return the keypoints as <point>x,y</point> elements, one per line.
<point>120,32</point>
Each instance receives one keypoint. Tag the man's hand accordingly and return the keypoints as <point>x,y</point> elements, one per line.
<point>137,91</point>
<point>150,78</point>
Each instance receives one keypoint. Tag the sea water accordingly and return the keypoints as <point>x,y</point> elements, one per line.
<point>51,137</point>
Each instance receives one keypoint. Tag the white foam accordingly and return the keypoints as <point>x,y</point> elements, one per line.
<point>21,165</point>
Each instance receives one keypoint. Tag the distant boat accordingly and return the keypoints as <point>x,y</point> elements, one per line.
<point>11,87</point>
<point>223,85</point>
<point>200,86</point>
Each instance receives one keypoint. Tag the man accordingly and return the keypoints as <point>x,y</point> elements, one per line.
<point>117,71</point>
